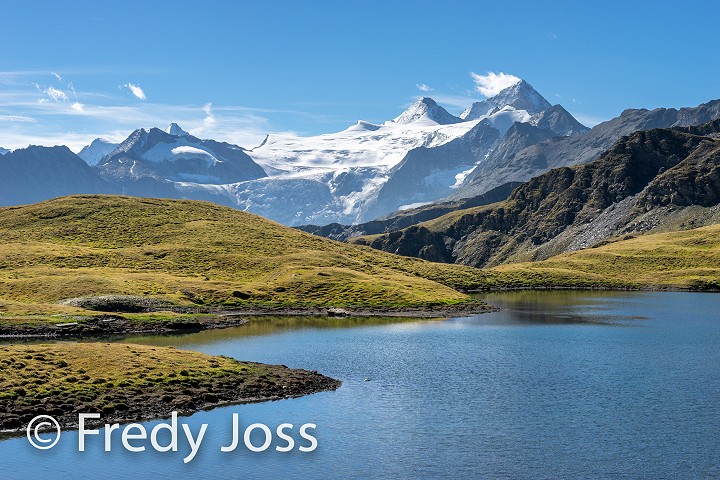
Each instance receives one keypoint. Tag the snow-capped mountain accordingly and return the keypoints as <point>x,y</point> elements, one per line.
<point>521,96</point>
<point>369,170</point>
<point>97,151</point>
<point>361,145</point>
<point>360,173</point>
<point>338,176</point>
<point>425,110</point>
<point>363,172</point>
<point>160,155</point>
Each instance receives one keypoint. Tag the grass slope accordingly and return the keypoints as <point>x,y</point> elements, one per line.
<point>687,259</point>
<point>198,253</point>
<point>134,382</point>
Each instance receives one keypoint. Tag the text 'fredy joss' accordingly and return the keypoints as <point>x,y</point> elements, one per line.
<point>164,437</point>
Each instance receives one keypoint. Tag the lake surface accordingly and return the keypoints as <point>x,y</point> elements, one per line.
<point>556,385</point>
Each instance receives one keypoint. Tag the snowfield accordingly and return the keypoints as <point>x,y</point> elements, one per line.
<point>362,145</point>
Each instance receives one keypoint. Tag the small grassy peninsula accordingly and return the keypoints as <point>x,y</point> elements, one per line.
<point>133,382</point>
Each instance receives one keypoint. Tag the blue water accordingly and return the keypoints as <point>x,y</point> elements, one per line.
<point>556,385</point>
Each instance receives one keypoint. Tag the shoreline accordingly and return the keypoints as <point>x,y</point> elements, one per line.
<point>143,392</point>
<point>109,324</point>
<point>600,288</point>
<point>160,413</point>
<point>211,318</point>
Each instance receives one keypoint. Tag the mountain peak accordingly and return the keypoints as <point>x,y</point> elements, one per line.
<point>425,109</point>
<point>559,120</point>
<point>521,96</point>
<point>3,151</point>
<point>427,101</point>
<point>97,151</point>
<point>175,130</point>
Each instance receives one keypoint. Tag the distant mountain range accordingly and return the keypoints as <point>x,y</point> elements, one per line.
<point>424,155</point>
<point>651,181</point>
<point>363,172</point>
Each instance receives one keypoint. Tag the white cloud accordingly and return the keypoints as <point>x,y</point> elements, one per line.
<point>209,120</point>
<point>423,88</point>
<point>40,114</point>
<point>136,90</point>
<point>72,89</point>
<point>55,94</point>
<point>59,78</point>
<point>16,118</point>
<point>492,83</point>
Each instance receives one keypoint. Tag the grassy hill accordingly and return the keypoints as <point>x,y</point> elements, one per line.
<point>197,253</point>
<point>687,259</point>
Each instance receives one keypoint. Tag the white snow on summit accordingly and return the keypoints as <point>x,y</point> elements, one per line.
<point>426,111</point>
<point>174,129</point>
<point>521,96</point>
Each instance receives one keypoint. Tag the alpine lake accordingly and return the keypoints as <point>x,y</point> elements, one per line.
<point>572,384</point>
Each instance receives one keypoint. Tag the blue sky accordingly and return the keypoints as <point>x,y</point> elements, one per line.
<point>234,70</point>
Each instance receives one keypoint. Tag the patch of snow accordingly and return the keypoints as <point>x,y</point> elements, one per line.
<point>410,206</point>
<point>505,117</point>
<point>444,180</point>
<point>180,149</point>
<point>353,202</point>
<point>460,177</point>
